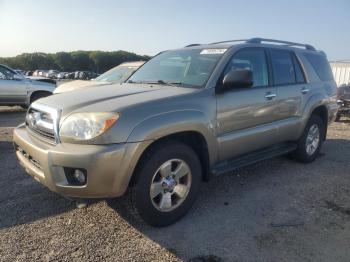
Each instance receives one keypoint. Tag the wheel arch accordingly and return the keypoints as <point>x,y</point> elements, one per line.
<point>37,92</point>
<point>193,139</point>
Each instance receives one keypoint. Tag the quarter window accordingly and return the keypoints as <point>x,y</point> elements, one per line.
<point>282,66</point>
<point>298,71</point>
<point>253,59</point>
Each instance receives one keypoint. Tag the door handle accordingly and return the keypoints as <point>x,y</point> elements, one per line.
<point>304,90</point>
<point>270,95</point>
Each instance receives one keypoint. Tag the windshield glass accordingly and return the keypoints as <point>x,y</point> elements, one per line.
<point>191,67</point>
<point>117,74</point>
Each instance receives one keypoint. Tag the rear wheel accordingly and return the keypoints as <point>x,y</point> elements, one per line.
<point>310,142</point>
<point>167,185</point>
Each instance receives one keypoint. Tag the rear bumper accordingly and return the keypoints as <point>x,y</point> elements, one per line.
<point>109,167</point>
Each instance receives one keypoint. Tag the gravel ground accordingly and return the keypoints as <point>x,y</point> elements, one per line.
<point>277,210</point>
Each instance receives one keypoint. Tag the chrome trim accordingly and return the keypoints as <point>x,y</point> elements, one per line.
<point>54,113</point>
<point>270,96</point>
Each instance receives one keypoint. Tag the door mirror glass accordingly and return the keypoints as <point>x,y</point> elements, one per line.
<point>239,78</point>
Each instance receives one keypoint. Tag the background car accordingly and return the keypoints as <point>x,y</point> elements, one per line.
<point>343,99</point>
<point>15,89</point>
<point>117,74</point>
<point>51,74</point>
<point>61,75</point>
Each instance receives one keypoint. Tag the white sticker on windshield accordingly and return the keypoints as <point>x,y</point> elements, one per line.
<point>213,51</point>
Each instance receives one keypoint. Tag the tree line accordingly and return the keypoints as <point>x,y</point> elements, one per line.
<point>96,61</point>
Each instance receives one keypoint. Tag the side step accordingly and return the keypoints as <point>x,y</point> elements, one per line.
<point>252,158</point>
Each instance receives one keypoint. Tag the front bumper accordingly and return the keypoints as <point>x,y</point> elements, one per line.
<point>108,167</point>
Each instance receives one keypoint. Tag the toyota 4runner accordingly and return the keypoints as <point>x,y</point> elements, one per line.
<point>183,117</point>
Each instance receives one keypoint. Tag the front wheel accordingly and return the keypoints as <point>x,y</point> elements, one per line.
<point>168,182</point>
<point>310,142</point>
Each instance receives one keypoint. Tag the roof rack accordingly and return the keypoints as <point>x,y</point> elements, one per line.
<point>192,45</point>
<point>260,40</point>
<point>230,41</point>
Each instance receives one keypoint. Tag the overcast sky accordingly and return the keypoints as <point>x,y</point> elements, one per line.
<point>147,27</point>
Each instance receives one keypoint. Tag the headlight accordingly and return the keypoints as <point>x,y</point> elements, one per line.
<point>85,126</point>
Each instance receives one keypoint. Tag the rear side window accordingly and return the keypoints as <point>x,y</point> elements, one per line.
<point>320,65</point>
<point>282,66</point>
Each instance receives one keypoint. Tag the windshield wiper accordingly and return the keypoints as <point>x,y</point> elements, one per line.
<point>162,82</point>
<point>156,82</point>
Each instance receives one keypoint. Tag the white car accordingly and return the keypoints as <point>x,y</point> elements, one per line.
<point>15,89</point>
<point>117,74</point>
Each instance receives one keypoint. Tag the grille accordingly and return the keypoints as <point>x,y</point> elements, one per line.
<point>41,124</point>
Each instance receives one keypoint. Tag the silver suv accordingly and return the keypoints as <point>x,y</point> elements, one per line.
<point>183,117</point>
<point>15,89</point>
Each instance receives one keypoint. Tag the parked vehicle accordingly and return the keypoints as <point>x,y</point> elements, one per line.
<point>117,74</point>
<point>15,89</point>
<point>51,74</point>
<point>39,72</point>
<point>343,101</point>
<point>61,75</point>
<point>69,75</point>
<point>183,117</point>
<point>29,73</point>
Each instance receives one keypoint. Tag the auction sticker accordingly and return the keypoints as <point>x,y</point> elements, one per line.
<point>213,51</point>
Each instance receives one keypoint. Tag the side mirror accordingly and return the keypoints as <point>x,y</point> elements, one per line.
<point>238,79</point>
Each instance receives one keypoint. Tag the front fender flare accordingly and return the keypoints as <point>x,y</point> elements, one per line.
<point>169,123</point>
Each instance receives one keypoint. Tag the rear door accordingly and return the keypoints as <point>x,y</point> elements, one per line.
<point>245,115</point>
<point>12,91</point>
<point>292,91</point>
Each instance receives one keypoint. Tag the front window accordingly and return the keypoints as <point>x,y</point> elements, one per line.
<point>191,67</point>
<point>116,75</point>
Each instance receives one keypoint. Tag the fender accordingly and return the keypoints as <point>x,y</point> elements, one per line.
<point>314,101</point>
<point>173,122</point>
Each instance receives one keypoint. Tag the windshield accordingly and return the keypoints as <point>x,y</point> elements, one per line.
<point>191,67</point>
<point>117,74</point>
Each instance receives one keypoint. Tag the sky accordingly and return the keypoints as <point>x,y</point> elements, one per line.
<point>148,27</point>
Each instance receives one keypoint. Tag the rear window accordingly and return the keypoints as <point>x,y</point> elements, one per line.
<point>320,65</point>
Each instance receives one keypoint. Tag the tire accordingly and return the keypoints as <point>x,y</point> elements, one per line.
<point>303,153</point>
<point>155,210</point>
<point>38,95</point>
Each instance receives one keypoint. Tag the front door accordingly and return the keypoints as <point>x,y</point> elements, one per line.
<point>245,115</point>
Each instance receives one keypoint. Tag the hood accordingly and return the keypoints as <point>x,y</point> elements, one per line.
<point>78,84</point>
<point>111,98</point>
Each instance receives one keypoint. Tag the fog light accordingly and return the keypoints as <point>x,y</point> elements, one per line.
<point>75,176</point>
<point>79,176</point>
